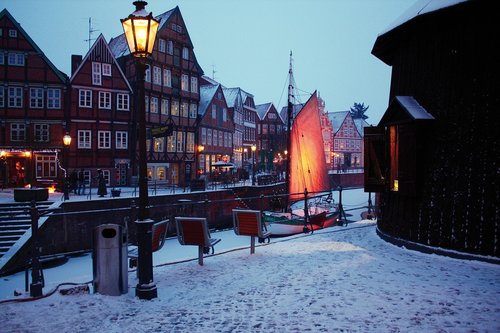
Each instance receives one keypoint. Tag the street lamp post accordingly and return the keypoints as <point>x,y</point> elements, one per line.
<point>66,143</point>
<point>140,31</point>
<point>254,148</point>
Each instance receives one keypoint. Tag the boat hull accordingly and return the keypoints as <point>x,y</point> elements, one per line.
<point>286,225</point>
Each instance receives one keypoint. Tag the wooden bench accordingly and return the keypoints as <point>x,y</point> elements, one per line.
<point>159,235</point>
<point>249,223</point>
<point>194,231</point>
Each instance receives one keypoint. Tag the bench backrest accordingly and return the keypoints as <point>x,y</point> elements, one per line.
<point>247,222</point>
<point>159,234</point>
<point>192,231</point>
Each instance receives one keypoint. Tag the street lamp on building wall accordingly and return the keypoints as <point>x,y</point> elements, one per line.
<point>140,31</point>
<point>254,148</point>
<point>66,143</point>
<point>200,150</point>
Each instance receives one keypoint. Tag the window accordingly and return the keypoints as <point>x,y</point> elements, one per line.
<point>45,166</point>
<point>17,132</point>
<point>36,98</point>
<point>96,73</point>
<point>180,141</point>
<point>209,136</point>
<point>157,75</point>
<point>167,78</point>
<point>214,137</point>
<point>106,69</point>
<point>175,108</point>
<point>107,176</point>
<point>53,98</point>
<point>104,139</point>
<point>164,106</point>
<point>185,53</point>
<point>224,114</point>
<point>122,102</point>
<point>84,139</point>
<point>170,47</point>
<point>15,97</point>
<point>184,109</point>
<point>2,58</point>
<point>190,142</point>
<point>154,104</point>
<point>2,97</point>
<point>16,59</point>
<point>146,102</point>
<point>184,82</point>
<point>85,100</point>
<point>194,84</point>
<point>203,135</point>
<point>162,45</point>
<point>42,132</point>
<point>13,33</point>
<point>147,76</point>
<point>221,144</point>
<point>104,100</point>
<point>159,145</point>
<point>193,110</point>
<point>121,140</point>
<point>214,111</point>
<point>171,142</point>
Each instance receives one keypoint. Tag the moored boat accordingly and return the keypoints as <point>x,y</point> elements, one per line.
<point>306,173</point>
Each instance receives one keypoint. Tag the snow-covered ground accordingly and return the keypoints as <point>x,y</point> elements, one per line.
<point>340,279</point>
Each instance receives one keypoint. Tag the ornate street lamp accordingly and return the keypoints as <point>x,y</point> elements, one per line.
<point>140,31</point>
<point>254,148</point>
<point>66,143</point>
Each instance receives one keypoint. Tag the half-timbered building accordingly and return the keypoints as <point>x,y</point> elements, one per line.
<point>171,96</point>
<point>271,143</point>
<point>32,110</point>
<point>100,117</point>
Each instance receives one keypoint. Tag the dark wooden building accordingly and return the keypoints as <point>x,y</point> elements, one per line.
<point>433,158</point>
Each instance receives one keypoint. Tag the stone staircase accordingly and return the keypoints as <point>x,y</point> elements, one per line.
<point>15,222</point>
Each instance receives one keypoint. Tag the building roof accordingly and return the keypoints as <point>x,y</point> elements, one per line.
<point>207,93</point>
<point>386,40</point>
<point>360,123</point>
<point>284,112</point>
<point>337,118</point>
<point>402,109</point>
<point>263,109</point>
<point>63,77</point>
<point>232,96</point>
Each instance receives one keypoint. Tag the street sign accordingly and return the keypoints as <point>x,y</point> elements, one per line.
<point>162,131</point>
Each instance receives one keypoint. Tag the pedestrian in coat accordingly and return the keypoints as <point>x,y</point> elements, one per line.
<point>101,184</point>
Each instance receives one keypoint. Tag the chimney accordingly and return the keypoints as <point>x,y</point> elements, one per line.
<point>75,62</point>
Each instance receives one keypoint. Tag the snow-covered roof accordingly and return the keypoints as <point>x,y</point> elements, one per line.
<point>263,109</point>
<point>336,119</point>
<point>360,124</point>
<point>207,93</point>
<point>421,7</point>
<point>284,112</point>
<point>404,108</point>
<point>231,95</point>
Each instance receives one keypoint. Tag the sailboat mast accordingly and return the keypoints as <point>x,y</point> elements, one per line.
<point>289,126</point>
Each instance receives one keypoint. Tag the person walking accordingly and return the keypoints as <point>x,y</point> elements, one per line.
<point>101,183</point>
<point>81,182</point>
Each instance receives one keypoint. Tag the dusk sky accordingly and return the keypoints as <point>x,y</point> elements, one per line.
<point>246,43</point>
